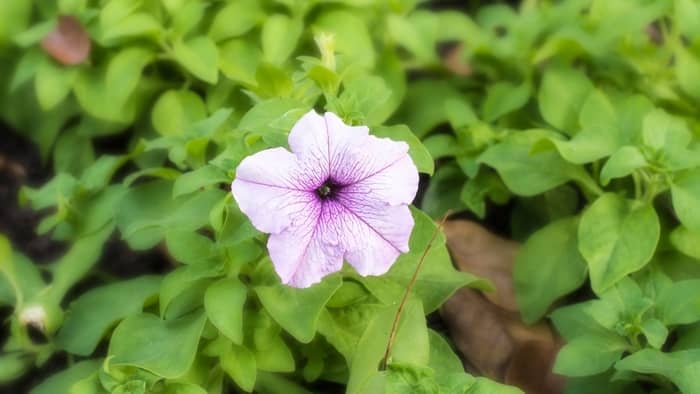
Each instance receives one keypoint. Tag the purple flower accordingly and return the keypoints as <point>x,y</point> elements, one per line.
<point>341,195</point>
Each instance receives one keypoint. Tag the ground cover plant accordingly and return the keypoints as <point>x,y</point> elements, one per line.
<point>190,135</point>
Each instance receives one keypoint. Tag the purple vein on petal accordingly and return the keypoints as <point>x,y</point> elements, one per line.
<point>269,185</point>
<point>360,218</point>
<point>375,173</point>
<point>328,145</point>
<point>302,257</point>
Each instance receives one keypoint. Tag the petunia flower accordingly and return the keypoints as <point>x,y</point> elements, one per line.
<point>341,194</point>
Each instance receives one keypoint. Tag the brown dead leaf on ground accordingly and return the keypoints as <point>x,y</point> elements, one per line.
<point>453,60</point>
<point>487,328</point>
<point>482,253</point>
<point>68,43</point>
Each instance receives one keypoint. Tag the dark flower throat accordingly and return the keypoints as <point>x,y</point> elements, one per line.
<point>328,190</point>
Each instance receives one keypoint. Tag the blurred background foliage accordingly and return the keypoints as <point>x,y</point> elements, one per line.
<point>570,126</point>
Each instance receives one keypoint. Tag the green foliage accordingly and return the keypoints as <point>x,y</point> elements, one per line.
<point>145,341</point>
<point>616,238</point>
<point>94,312</point>
<point>571,125</point>
<point>548,267</point>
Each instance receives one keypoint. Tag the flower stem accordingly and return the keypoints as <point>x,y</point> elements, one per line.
<point>397,318</point>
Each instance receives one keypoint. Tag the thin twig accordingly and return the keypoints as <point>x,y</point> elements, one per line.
<point>397,318</point>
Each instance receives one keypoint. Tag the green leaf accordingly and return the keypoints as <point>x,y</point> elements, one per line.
<point>272,383</point>
<point>184,388</point>
<point>100,172</point>
<point>617,237</point>
<point>686,67</point>
<point>406,378</point>
<point>53,83</point>
<point>622,163</point>
<point>238,60</point>
<point>280,35</point>
<point>138,24</point>
<point>442,145</point>
<point>98,210</point>
<point>123,73</point>
<point>442,358</point>
<point>189,247</point>
<point>239,364</point>
<point>94,98</point>
<point>272,119</point>
<point>561,95</point>
<point>661,130</point>
<point>34,34</point>
<point>194,180</point>
<point>275,357</point>
<point>116,10</point>
<point>361,101</point>
<point>687,17</point>
<point>679,367</point>
<point>687,378</point>
<point>460,113</point>
<point>503,98</point>
<point>188,17</point>
<point>72,153</point>
<point>594,317</point>
<point>298,310</point>
<point>166,348</point>
<point>525,172</point>
<point>599,136</point>
<point>19,277</point>
<point>547,267</point>
<point>420,155</point>
<point>686,241</point>
<point>13,366</point>
<point>176,110</point>
<point>443,191</point>
<point>343,327</point>
<point>148,210</point>
<point>424,106</point>
<point>62,382</point>
<point>183,289</point>
<point>655,332</point>
<point>77,262</point>
<point>685,193</point>
<point>199,56</point>
<point>411,345</point>
<point>680,303</point>
<point>14,18</point>
<point>588,355</point>
<point>235,19</point>
<point>224,301</point>
<point>273,81</point>
<point>94,312</point>
<point>487,184</point>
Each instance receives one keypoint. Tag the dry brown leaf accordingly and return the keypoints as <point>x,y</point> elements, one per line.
<point>453,61</point>
<point>68,43</point>
<point>476,250</point>
<point>487,328</point>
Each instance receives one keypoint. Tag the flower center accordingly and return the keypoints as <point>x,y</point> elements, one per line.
<point>328,190</point>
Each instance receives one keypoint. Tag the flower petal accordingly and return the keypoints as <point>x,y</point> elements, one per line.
<point>374,233</point>
<point>272,189</point>
<point>308,139</point>
<point>377,166</point>
<point>304,254</point>
<point>394,184</point>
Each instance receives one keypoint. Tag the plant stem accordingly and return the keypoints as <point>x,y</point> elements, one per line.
<point>411,283</point>
<point>637,185</point>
